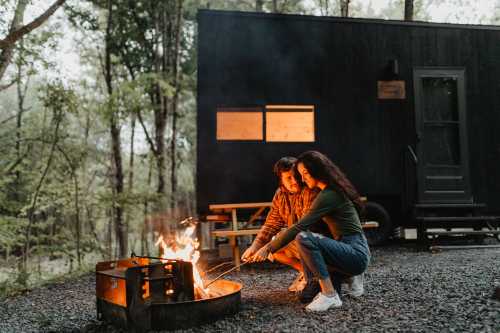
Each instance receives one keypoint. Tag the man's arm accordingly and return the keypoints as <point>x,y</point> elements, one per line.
<point>274,222</point>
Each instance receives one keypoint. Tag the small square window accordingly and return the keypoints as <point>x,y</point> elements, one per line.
<point>239,124</point>
<point>290,123</point>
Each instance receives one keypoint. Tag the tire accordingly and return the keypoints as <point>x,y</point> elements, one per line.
<point>375,212</point>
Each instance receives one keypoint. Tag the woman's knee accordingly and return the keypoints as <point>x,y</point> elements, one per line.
<point>304,239</point>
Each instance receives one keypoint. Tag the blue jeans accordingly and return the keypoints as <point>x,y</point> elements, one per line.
<point>320,254</point>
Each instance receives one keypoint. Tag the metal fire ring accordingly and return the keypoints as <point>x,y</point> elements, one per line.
<point>181,315</point>
<point>176,315</point>
<point>140,296</point>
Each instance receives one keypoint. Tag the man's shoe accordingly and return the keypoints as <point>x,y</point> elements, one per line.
<point>322,302</point>
<point>298,284</point>
<point>355,287</point>
<point>311,289</point>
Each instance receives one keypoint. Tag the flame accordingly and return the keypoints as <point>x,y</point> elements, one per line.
<point>185,247</point>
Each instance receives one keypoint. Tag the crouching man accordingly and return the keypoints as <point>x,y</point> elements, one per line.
<point>290,202</point>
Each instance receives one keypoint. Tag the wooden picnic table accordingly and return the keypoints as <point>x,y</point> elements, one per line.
<point>235,231</point>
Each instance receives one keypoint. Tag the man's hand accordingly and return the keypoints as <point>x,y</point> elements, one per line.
<point>249,252</point>
<point>261,255</point>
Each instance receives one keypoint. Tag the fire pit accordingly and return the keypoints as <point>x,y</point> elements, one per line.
<point>140,294</point>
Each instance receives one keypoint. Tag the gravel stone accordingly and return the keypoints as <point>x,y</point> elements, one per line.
<point>405,290</point>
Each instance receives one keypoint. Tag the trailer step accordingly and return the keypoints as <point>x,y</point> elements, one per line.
<point>462,247</point>
<point>451,205</point>
<point>468,232</point>
<point>457,218</point>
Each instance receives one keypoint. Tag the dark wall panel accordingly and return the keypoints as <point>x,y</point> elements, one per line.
<point>258,59</point>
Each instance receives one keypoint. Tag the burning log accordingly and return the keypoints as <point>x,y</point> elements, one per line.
<point>183,246</point>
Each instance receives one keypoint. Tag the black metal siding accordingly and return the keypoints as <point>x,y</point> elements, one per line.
<point>334,64</point>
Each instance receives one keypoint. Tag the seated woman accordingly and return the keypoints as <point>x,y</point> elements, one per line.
<point>346,251</point>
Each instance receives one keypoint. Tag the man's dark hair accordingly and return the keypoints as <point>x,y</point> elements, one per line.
<point>284,164</point>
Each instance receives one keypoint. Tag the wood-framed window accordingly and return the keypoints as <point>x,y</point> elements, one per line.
<point>240,124</point>
<point>290,123</point>
<point>276,123</point>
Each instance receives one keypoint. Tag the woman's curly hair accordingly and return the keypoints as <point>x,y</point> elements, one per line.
<point>321,168</point>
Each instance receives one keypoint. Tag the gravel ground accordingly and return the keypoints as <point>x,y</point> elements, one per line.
<point>405,290</point>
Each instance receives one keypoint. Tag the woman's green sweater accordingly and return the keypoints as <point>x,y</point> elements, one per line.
<point>330,206</point>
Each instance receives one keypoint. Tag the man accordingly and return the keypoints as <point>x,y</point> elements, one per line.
<point>290,202</point>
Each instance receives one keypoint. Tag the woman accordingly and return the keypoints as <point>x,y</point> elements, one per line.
<point>346,249</point>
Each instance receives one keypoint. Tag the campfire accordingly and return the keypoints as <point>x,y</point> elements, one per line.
<point>166,292</point>
<point>184,246</point>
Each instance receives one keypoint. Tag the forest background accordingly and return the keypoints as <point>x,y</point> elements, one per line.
<point>98,120</point>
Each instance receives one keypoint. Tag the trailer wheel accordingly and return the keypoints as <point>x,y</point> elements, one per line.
<point>375,212</point>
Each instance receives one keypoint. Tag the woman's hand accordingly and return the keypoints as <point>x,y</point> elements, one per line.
<point>250,252</point>
<point>261,255</point>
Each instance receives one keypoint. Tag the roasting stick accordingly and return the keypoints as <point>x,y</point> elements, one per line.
<point>218,266</point>
<point>270,258</point>
<point>226,272</point>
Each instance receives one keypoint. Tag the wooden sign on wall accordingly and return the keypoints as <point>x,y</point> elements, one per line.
<point>391,90</point>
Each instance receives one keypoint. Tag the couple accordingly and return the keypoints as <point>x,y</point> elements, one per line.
<point>324,239</point>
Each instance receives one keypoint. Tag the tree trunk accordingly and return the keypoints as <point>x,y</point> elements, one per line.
<point>77,215</point>
<point>173,165</point>
<point>259,5</point>
<point>161,109</point>
<point>160,125</point>
<point>31,211</point>
<point>78,227</point>
<point>91,225</point>
<point>74,176</point>
<point>131,159</point>
<point>120,227</point>
<point>344,8</point>
<point>324,7</point>
<point>20,110</point>
<point>275,6</point>
<point>8,50</point>
<point>17,30</point>
<point>408,10</point>
<point>87,226</point>
<point>109,238</point>
<point>147,227</point>
<point>131,168</point>
<point>175,104</point>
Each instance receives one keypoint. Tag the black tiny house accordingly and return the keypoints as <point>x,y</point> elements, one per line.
<point>409,110</point>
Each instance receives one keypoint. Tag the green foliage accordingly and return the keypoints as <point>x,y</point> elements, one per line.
<point>131,96</point>
<point>57,97</point>
<point>11,233</point>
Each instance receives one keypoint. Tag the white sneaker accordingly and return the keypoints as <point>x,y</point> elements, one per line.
<point>322,302</point>
<point>355,286</point>
<point>298,284</point>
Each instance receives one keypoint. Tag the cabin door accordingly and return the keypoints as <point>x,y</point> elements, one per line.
<point>442,167</point>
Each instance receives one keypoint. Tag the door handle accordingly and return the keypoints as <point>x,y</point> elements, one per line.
<point>412,153</point>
